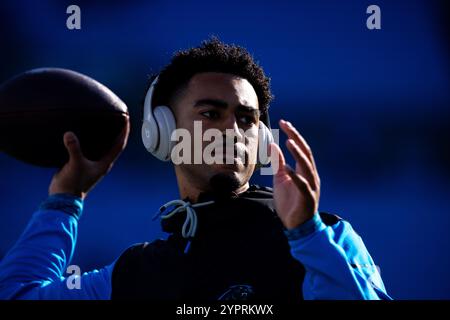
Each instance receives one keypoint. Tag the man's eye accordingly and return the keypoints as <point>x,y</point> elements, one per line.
<point>210,114</point>
<point>248,120</point>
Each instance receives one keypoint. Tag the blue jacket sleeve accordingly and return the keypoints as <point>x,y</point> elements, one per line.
<point>337,263</point>
<point>36,266</point>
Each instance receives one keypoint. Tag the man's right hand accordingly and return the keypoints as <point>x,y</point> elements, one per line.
<point>79,175</point>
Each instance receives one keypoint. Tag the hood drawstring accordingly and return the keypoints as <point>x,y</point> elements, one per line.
<point>190,223</point>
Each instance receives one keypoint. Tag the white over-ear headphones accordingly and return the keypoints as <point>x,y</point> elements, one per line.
<point>159,123</point>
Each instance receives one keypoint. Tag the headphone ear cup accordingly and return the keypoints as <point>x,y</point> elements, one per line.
<point>265,139</point>
<point>149,130</point>
<point>166,124</point>
<point>149,134</point>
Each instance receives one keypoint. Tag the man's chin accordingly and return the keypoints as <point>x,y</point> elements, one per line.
<point>225,182</point>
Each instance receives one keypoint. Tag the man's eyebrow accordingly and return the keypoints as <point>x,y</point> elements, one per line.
<point>243,108</point>
<point>211,102</point>
<point>223,105</point>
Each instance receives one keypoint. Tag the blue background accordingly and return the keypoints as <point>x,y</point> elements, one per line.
<point>373,105</point>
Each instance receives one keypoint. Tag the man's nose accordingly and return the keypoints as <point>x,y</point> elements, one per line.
<point>231,128</point>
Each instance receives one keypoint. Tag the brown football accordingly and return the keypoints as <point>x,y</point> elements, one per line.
<point>38,106</point>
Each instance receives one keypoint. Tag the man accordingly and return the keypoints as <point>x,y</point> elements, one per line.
<point>227,240</point>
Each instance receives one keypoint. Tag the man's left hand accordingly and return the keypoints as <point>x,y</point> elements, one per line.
<point>296,192</point>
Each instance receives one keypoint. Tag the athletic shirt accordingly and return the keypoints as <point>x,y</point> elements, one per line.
<point>239,252</point>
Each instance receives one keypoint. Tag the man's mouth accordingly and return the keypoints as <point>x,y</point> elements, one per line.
<point>237,154</point>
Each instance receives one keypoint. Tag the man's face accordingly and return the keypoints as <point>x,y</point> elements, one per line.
<point>220,101</point>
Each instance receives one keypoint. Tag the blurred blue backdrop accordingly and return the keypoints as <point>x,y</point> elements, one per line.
<point>373,105</point>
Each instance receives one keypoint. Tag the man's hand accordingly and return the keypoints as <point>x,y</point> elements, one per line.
<point>296,193</point>
<point>79,175</point>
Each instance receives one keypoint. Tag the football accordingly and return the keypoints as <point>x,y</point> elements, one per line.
<point>38,106</point>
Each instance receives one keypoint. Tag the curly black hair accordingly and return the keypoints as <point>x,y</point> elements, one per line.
<point>211,56</point>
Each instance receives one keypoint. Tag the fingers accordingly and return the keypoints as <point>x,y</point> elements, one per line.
<point>304,166</point>
<point>118,147</point>
<point>277,159</point>
<point>299,181</point>
<point>304,149</point>
<point>293,134</point>
<point>285,171</point>
<point>73,147</point>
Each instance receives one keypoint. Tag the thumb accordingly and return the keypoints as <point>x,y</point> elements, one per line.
<point>73,146</point>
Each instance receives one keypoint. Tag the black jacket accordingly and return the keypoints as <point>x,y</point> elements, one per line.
<point>240,252</point>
